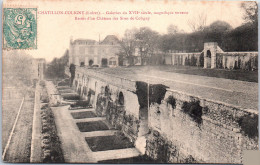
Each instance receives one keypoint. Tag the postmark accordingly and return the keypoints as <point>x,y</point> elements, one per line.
<point>20,28</point>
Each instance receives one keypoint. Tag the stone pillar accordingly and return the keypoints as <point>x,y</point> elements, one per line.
<point>205,58</point>
<point>224,62</point>
<point>173,60</point>
<point>95,60</point>
<point>86,61</point>
<point>76,61</point>
<point>214,56</point>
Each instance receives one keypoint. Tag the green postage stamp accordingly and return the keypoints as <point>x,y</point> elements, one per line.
<point>20,28</point>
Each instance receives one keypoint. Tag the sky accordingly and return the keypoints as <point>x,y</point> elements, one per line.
<point>56,30</point>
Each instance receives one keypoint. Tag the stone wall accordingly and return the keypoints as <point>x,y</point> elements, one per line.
<point>214,57</point>
<point>179,127</point>
<point>192,129</point>
<point>237,60</point>
<point>112,97</point>
<point>189,59</point>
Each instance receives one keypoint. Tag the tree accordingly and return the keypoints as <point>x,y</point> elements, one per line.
<point>127,45</point>
<point>251,11</point>
<point>56,68</point>
<point>172,29</point>
<point>147,39</point>
<point>242,38</point>
<point>216,31</point>
<point>198,23</point>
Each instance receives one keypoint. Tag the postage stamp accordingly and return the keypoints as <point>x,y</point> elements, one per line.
<point>20,28</point>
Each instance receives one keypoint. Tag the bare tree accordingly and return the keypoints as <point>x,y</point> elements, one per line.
<point>198,23</point>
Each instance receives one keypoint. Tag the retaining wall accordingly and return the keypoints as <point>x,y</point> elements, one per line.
<point>182,128</point>
<point>204,131</point>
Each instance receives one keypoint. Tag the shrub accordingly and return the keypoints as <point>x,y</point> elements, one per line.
<point>194,110</point>
<point>171,100</point>
<point>249,125</point>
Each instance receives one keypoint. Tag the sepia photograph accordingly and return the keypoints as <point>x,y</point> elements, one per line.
<point>129,81</point>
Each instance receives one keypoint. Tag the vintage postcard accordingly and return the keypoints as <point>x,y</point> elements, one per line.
<point>129,81</point>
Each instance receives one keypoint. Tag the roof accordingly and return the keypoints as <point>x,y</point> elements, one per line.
<point>84,42</point>
<point>110,40</point>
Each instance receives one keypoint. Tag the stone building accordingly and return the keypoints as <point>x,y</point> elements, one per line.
<point>85,52</point>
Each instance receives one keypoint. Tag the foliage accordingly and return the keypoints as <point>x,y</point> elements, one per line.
<point>148,42</point>
<point>172,101</point>
<point>249,125</point>
<point>56,69</point>
<point>128,45</point>
<point>194,110</point>
<point>142,40</point>
<point>172,29</point>
<point>251,11</point>
<point>242,38</point>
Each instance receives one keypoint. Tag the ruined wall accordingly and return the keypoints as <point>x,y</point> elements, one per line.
<point>186,129</point>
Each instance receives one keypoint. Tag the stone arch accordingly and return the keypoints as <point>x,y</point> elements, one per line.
<point>90,62</point>
<point>208,53</point>
<point>82,64</point>
<point>210,50</point>
<point>207,58</point>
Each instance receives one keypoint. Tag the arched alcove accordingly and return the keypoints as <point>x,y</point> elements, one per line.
<point>208,54</point>
<point>121,99</point>
<point>90,62</point>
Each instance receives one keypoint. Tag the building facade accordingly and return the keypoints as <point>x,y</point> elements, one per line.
<point>84,52</point>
